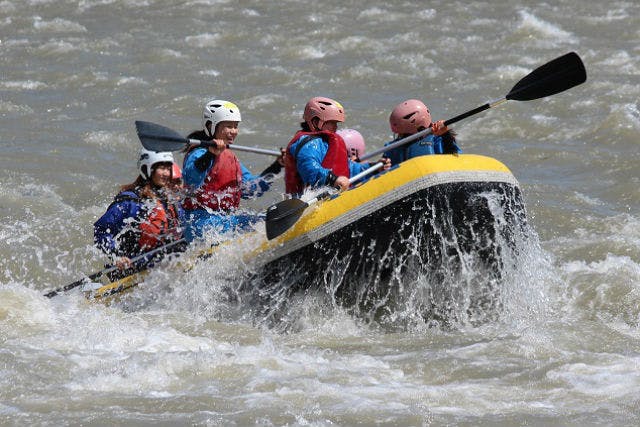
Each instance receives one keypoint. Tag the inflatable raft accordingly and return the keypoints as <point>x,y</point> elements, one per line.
<point>430,233</point>
<point>428,236</point>
<point>431,237</point>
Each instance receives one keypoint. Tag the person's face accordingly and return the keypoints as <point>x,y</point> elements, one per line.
<point>161,176</point>
<point>330,126</point>
<point>227,132</point>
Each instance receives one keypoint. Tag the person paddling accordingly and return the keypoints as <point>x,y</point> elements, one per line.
<point>317,155</point>
<point>144,215</point>
<point>215,178</point>
<point>412,116</point>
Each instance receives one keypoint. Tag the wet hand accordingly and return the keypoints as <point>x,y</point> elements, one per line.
<point>439,128</point>
<point>123,263</point>
<point>386,163</point>
<point>218,148</point>
<point>342,183</point>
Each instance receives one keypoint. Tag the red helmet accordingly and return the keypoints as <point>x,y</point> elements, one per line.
<point>409,117</point>
<point>324,109</point>
<point>176,172</point>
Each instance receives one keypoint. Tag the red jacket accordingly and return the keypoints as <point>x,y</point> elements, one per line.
<point>160,222</point>
<point>221,188</point>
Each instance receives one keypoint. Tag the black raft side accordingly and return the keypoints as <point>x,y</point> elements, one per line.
<point>439,253</point>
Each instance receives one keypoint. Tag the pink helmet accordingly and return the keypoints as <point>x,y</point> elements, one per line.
<point>176,172</point>
<point>353,140</point>
<point>409,116</point>
<point>324,109</point>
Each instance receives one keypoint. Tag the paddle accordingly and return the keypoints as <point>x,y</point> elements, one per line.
<point>155,137</point>
<point>555,76</point>
<point>282,215</point>
<point>101,273</point>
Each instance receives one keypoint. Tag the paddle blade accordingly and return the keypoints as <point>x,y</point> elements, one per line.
<point>553,77</point>
<point>159,138</point>
<point>282,215</point>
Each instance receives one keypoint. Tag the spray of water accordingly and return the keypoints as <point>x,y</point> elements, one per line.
<point>443,267</point>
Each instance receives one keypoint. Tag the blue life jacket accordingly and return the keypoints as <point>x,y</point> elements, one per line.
<point>430,144</point>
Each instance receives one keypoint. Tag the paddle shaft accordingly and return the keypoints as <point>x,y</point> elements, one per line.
<point>328,193</point>
<point>366,172</point>
<point>156,137</point>
<point>237,147</point>
<point>101,273</point>
<point>418,135</point>
<point>557,75</point>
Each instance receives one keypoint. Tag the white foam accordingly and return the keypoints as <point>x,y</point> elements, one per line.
<point>310,52</point>
<point>612,379</point>
<point>131,81</point>
<point>171,53</point>
<point>543,29</point>
<point>22,85</point>
<point>107,140</point>
<point>512,72</point>
<point>204,40</point>
<point>58,25</point>
<point>260,101</point>
<point>9,107</point>
<point>56,47</point>
<point>212,73</point>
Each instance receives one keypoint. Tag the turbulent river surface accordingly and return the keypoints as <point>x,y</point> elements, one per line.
<point>76,74</point>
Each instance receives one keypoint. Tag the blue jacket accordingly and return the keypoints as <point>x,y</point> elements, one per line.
<point>430,144</point>
<point>116,231</point>
<point>309,161</point>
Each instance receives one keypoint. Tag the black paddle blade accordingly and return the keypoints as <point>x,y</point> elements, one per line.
<point>282,215</point>
<point>159,138</point>
<point>555,76</point>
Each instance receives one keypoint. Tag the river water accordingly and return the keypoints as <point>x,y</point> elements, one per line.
<point>76,74</point>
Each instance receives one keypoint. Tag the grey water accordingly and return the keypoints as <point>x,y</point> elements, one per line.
<point>76,74</point>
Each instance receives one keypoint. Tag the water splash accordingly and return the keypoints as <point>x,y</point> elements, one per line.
<point>464,259</point>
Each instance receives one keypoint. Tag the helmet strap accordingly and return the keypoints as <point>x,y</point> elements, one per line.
<point>207,128</point>
<point>316,124</point>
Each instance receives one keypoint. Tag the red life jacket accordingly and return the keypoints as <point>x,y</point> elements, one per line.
<point>221,188</point>
<point>162,224</point>
<point>336,159</point>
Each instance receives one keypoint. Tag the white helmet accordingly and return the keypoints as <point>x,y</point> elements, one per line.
<point>148,158</point>
<point>217,111</point>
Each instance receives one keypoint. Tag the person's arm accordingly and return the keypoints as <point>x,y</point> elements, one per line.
<point>110,224</point>
<point>275,167</point>
<point>309,163</point>
<point>356,167</point>
<point>396,155</point>
<point>254,186</point>
<point>195,166</point>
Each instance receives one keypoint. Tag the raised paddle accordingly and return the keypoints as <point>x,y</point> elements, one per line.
<point>155,137</point>
<point>553,77</point>
<point>282,215</point>
<point>101,273</point>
